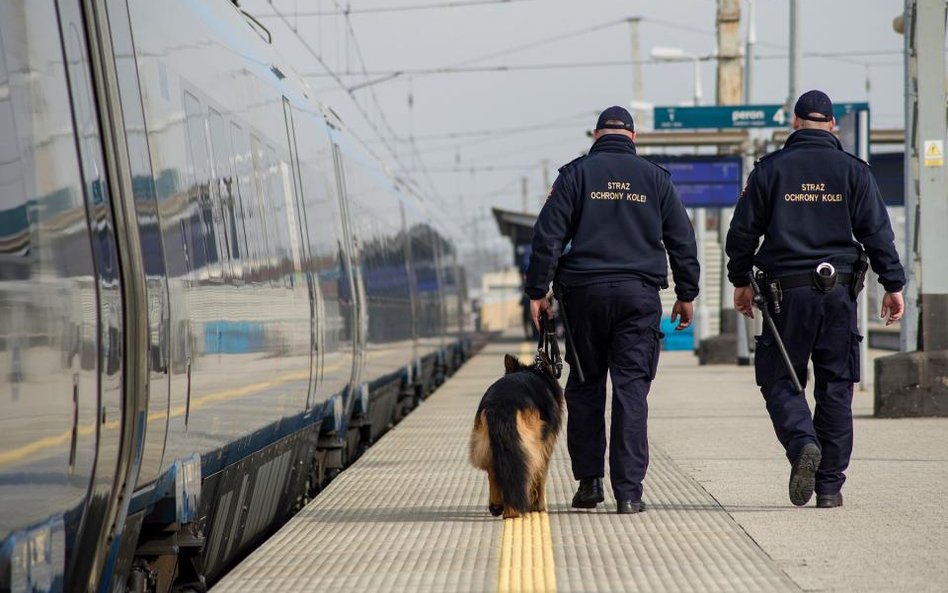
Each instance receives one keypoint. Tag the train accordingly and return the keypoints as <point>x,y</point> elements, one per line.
<point>213,297</point>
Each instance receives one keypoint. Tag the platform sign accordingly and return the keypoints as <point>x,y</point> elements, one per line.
<point>704,181</point>
<point>735,116</point>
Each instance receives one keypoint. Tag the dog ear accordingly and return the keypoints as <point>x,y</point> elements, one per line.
<point>511,363</point>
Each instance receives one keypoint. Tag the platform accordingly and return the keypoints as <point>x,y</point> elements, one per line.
<point>411,514</point>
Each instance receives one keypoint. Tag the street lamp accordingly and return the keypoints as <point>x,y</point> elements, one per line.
<point>676,54</point>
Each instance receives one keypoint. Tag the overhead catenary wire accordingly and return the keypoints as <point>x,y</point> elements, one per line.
<point>431,189</point>
<point>558,123</point>
<point>340,11</point>
<point>591,64</point>
<point>361,78</point>
<point>359,107</point>
<point>334,76</point>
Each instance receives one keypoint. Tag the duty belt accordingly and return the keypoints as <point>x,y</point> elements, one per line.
<point>805,279</point>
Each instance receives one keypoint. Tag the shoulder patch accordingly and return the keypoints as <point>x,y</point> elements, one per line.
<point>767,156</point>
<point>852,156</point>
<point>654,164</point>
<point>572,162</point>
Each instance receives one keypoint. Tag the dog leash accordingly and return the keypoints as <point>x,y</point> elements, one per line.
<point>548,350</point>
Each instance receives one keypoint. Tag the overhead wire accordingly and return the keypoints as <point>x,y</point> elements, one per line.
<point>340,11</point>
<point>465,66</point>
<point>594,64</point>
<point>408,179</point>
<point>338,80</point>
<point>359,107</point>
<point>550,124</point>
<point>351,32</point>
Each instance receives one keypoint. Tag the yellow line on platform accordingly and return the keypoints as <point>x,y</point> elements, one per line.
<point>526,556</point>
<point>526,552</point>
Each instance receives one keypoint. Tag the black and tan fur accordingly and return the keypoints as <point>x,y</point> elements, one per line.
<point>515,429</point>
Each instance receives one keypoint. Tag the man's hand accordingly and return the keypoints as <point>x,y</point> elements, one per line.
<point>892,307</point>
<point>744,300</point>
<point>686,311</point>
<point>538,306</point>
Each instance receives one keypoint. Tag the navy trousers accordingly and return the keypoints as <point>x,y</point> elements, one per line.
<point>822,327</point>
<point>615,327</point>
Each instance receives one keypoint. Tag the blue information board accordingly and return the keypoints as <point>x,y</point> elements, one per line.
<point>735,116</point>
<point>704,181</point>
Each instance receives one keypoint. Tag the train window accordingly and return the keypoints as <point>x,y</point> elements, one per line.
<point>246,189</point>
<point>281,202</point>
<point>237,158</point>
<point>224,183</point>
<point>260,176</point>
<point>199,190</point>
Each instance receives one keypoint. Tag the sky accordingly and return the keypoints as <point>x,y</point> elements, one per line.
<point>527,78</point>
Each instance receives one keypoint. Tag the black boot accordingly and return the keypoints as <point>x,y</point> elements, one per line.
<point>589,494</point>
<point>803,474</point>
<point>628,507</point>
<point>829,501</point>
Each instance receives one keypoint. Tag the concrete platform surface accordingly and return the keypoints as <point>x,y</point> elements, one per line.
<point>411,514</point>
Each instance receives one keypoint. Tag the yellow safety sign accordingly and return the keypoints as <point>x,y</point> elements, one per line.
<point>934,153</point>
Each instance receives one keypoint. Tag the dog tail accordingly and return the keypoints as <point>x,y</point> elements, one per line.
<point>510,463</point>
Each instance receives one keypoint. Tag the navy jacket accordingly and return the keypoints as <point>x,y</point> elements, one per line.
<point>619,213</point>
<point>808,200</point>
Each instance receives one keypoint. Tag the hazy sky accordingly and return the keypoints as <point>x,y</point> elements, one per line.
<point>479,133</point>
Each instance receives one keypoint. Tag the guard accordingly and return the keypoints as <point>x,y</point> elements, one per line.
<point>808,201</point>
<point>603,235</point>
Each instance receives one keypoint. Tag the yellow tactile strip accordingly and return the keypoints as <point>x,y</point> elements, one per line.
<point>411,516</point>
<point>526,556</point>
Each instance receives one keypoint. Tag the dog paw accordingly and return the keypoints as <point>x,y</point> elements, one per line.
<point>511,514</point>
<point>495,509</point>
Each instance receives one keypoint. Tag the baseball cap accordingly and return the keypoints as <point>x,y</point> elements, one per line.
<point>814,102</point>
<point>615,117</point>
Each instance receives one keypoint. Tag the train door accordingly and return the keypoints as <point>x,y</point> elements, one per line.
<point>359,318</point>
<point>61,302</point>
<point>146,214</point>
<point>329,259</point>
<point>76,255</point>
<point>303,229</point>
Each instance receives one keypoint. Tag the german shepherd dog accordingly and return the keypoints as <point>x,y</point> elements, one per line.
<point>515,429</point>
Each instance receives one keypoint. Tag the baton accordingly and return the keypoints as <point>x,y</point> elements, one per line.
<point>569,339</point>
<point>761,303</point>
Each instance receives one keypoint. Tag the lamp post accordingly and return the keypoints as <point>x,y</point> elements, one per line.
<point>676,54</point>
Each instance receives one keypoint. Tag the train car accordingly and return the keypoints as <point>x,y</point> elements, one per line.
<point>211,301</point>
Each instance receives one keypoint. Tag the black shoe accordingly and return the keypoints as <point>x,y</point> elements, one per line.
<point>589,494</point>
<point>803,474</point>
<point>628,507</point>
<point>829,501</point>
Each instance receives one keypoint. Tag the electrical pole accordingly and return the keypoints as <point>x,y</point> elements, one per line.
<point>795,56</point>
<point>913,383</point>
<point>523,192</point>
<point>927,135</point>
<point>729,52</point>
<point>728,92</point>
<point>741,323</point>
<point>636,59</point>
<point>749,53</point>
